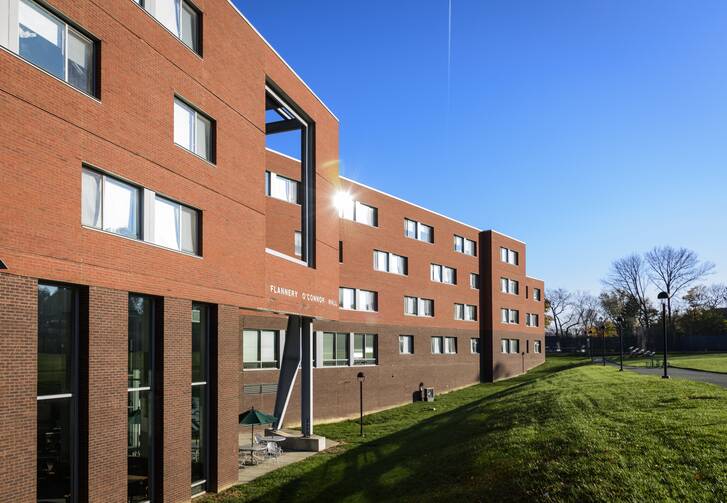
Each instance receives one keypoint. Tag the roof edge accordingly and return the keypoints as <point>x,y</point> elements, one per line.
<point>282,59</point>
<point>508,237</point>
<point>409,202</point>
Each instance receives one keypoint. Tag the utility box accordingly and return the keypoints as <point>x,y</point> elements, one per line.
<point>427,394</point>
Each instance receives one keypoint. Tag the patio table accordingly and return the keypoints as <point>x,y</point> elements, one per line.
<point>252,449</point>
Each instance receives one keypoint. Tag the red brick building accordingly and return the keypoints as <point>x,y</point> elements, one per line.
<point>174,231</point>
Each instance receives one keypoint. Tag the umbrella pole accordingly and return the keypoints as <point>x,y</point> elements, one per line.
<point>252,436</point>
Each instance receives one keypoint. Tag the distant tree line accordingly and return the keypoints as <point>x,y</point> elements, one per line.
<point>629,292</point>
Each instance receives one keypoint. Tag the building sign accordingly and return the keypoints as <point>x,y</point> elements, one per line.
<point>304,296</point>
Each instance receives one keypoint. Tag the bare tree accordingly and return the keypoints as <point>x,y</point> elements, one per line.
<point>673,269</point>
<point>629,276</point>
<point>559,303</point>
<point>587,310</point>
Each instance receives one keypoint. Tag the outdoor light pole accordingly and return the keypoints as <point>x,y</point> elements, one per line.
<point>663,297</point>
<point>361,378</point>
<point>603,341</point>
<point>619,322</point>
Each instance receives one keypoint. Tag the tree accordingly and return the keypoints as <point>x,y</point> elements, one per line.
<point>674,269</point>
<point>559,303</point>
<point>629,276</point>
<point>586,309</point>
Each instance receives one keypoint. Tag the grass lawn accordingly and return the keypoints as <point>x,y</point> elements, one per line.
<point>711,362</point>
<point>565,432</point>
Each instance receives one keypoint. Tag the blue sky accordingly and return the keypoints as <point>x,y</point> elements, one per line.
<point>587,129</point>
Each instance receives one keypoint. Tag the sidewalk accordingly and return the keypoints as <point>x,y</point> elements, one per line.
<point>677,373</point>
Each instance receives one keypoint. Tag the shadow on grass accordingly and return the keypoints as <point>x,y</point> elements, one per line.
<point>434,458</point>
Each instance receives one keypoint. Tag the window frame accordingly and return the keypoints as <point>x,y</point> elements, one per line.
<point>364,361</point>
<point>261,364</point>
<point>442,269</point>
<point>475,345</point>
<point>419,302</point>
<point>356,296</point>
<point>182,206</point>
<point>410,339</point>
<point>510,316</point>
<point>389,262</point>
<point>474,281</point>
<point>206,413</point>
<point>347,360</point>
<point>463,248</point>
<point>355,203</point>
<point>509,256</point>
<point>102,188</point>
<point>198,51</point>
<point>211,157</point>
<point>417,230</point>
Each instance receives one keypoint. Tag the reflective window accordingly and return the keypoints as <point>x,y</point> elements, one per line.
<point>358,300</point>
<point>418,230</point>
<point>406,344</point>
<point>259,349</point>
<point>357,211</point>
<point>335,349</point>
<point>110,204</point>
<point>179,17</point>
<point>193,130</point>
<point>200,387</point>
<point>57,393</point>
<point>175,225</point>
<point>140,403</point>
<point>51,44</point>
<point>280,187</point>
<point>475,346</point>
<point>364,349</point>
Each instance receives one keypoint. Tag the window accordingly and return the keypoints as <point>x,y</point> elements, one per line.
<point>364,349</point>
<point>109,204</point>
<point>509,256</point>
<point>510,316</point>
<point>465,312</point>
<point>340,252</point>
<point>193,130</point>
<point>298,238</point>
<point>437,345</point>
<point>200,397</point>
<point>175,226</point>
<point>335,349</point>
<point>418,307</point>
<point>536,294</point>
<point>179,17</point>
<point>464,245</point>
<point>48,42</point>
<point>57,400</point>
<point>259,349</point>
<point>509,286</point>
<point>406,344</point>
<point>358,212</point>
<point>419,231</point>
<point>511,346</point>
<point>532,320</point>
<point>357,300</point>
<point>142,366</point>
<point>474,281</point>
<point>443,274</point>
<point>475,346</point>
<point>281,187</point>
<point>389,262</point>
<point>536,346</point>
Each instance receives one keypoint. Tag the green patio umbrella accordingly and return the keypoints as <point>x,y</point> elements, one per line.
<point>253,417</point>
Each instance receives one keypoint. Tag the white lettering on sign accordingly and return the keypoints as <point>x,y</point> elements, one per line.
<point>308,297</point>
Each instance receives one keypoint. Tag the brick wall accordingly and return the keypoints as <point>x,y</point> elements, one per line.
<point>228,395</point>
<point>18,385</point>
<point>177,400</point>
<point>107,394</point>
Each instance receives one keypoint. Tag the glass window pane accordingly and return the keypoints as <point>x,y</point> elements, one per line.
<point>204,138</point>
<point>410,305</point>
<point>425,233</point>
<point>346,209</point>
<point>141,333</point>
<point>199,341</point>
<point>370,351</point>
<point>298,244</point>
<point>139,446</point>
<point>55,440</point>
<point>381,260</point>
<point>168,14</point>
<point>189,230</point>
<point>267,346</point>
<point>328,346</point>
<point>166,223</point>
<point>358,346</point>
<point>366,300</point>
<point>365,214</point>
<point>80,62</point>
<point>250,354</point>
<point>91,198</point>
<point>410,229</point>
<point>199,446</point>
<point>56,326</point>
<point>120,208</point>
<point>41,38</point>
<point>183,125</point>
<point>503,254</point>
<point>189,27</point>
<point>342,348</point>
<point>347,298</point>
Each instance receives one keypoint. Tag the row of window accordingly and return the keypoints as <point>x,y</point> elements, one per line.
<point>261,348</point>
<point>134,212</point>
<point>512,287</point>
<point>397,264</point>
<point>512,317</point>
<point>512,346</point>
<point>357,211</point>
<point>60,344</point>
<point>364,300</point>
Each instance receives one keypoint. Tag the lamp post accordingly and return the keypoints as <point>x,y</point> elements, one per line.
<point>603,341</point>
<point>663,297</point>
<point>619,325</point>
<point>361,377</point>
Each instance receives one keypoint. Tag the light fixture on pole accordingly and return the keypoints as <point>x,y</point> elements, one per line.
<point>361,377</point>
<point>664,297</point>
<point>619,326</point>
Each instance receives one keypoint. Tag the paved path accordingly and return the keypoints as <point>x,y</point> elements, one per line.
<point>691,375</point>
